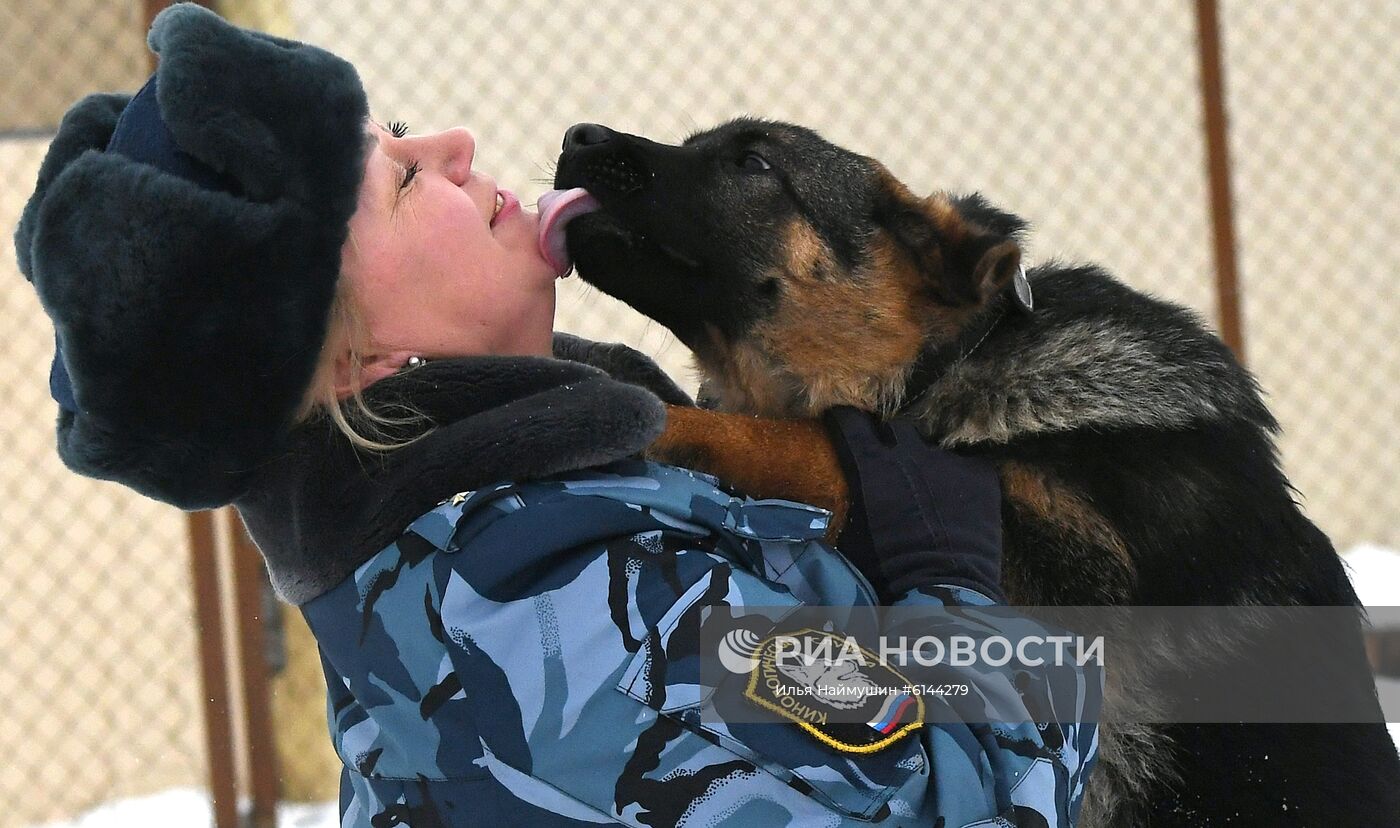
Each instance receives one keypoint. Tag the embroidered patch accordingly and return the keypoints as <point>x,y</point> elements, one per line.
<point>834,689</point>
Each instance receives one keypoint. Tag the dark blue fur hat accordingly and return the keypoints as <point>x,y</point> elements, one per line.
<point>186,243</point>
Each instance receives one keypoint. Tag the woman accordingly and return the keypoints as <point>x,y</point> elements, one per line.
<point>262,297</point>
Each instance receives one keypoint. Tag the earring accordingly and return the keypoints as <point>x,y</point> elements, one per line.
<point>414,362</point>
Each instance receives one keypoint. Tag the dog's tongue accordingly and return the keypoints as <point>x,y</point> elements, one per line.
<point>557,209</point>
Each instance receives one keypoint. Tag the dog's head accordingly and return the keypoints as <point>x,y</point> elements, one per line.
<point>803,275</point>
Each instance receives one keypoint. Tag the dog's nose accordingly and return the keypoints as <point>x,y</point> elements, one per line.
<point>586,135</point>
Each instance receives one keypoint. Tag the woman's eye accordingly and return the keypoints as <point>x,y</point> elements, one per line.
<point>398,129</point>
<point>409,171</point>
<point>753,162</point>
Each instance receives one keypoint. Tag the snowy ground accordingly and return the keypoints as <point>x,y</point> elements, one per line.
<point>1374,571</point>
<point>188,807</point>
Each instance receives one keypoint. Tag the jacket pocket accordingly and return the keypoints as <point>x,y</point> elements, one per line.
<point>665,676</point>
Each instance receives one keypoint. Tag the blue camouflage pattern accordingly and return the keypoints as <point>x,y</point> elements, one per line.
<point>509,661</point>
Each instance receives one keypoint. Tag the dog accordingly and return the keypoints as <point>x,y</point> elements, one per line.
<point>1137,457</point>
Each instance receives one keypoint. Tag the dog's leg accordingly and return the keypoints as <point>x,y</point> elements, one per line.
<point>762,457</point>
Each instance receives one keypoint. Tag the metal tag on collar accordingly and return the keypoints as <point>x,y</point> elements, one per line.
<point>1021,290</point>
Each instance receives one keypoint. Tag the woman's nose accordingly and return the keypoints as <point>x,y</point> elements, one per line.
<point>458,148</point>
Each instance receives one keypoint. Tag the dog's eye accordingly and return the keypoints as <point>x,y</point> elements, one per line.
<point>753,162</point>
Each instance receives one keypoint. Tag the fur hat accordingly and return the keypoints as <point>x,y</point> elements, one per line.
<point>186,243</point>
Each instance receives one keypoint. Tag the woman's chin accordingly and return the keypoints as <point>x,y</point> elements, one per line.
<point>536,272</point>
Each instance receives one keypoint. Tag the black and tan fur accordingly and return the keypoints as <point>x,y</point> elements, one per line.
<point>1137,457</point>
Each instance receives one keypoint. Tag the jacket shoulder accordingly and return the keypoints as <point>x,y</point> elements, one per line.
<point>622,497</point>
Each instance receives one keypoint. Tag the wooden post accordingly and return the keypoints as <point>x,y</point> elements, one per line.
<point>1222,207</point>
<point>260,748</point>
<point>213,669</point>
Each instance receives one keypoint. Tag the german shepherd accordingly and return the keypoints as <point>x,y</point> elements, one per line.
<point>1137,458</point>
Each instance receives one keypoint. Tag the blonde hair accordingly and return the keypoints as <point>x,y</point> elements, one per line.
<point>370,429</point>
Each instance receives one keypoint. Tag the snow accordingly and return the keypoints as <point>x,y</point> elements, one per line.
<point>1389,690</point>
<point>183,807</point>
<point>1375,574</point>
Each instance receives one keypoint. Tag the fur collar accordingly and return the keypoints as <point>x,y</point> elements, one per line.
<point>322,508</point>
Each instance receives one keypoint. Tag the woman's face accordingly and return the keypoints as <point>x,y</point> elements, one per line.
<point>433,267</point>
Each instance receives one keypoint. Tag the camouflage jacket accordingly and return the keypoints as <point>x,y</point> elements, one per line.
<point>511,656</point>
<point>506,660</point>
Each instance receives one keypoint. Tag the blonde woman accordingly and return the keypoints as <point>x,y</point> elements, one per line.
<point>264,297</point>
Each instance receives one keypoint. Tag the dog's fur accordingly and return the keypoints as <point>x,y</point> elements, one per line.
<point>1137,458</point>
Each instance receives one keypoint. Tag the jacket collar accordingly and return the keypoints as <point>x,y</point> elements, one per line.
<point>323,507</point>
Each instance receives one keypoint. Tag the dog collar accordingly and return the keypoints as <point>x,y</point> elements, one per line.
<point>933,364</point>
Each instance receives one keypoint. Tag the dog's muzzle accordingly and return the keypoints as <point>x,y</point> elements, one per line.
<point>602,161</point>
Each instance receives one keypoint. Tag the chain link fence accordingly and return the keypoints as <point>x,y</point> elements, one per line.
<point>1316,166</point>
<point>1084,116</point>
<point>96,650</point>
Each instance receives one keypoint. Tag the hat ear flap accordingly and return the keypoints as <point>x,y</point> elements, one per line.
<point>211,287</point>
<point>283,119</point>
<point>87,125</point>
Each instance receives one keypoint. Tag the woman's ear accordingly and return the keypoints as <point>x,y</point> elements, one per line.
<point>373,367</point>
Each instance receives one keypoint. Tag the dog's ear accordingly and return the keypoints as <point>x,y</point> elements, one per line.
<point>966,249</point>
<point>995,242</point>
